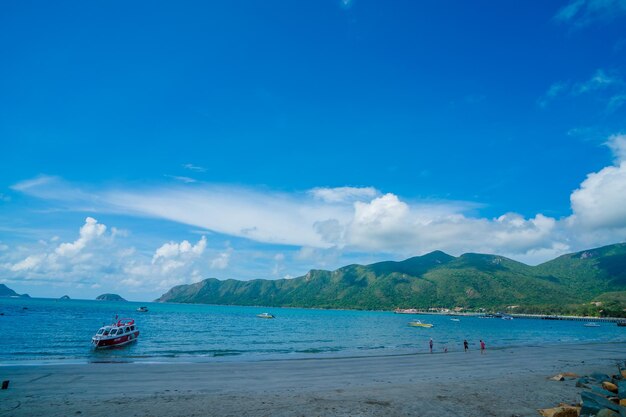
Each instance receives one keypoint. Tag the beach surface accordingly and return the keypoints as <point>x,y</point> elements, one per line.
<point>503,382</point>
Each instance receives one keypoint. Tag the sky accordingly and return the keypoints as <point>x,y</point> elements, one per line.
<point>149,144</point>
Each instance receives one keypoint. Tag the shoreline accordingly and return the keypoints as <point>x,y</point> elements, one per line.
<point>253,358</point>
<point>502,382</point>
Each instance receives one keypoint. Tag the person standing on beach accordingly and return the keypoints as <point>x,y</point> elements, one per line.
<point>482,347</point>
<point>465,345</point>
<point>431,345</point>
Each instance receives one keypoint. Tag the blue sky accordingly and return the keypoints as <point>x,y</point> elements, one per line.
<point>148,144</point>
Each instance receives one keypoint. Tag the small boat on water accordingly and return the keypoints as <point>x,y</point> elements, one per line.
<point>591,324</point>
<point>507,317</point>
<point>457,320</point>
<point>621,323</point>
<point>119,333</point>
<point>265,316</point>
<point>418,323</point>
<point>142,309</point>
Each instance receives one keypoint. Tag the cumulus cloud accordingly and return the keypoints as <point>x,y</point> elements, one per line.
<point>617,144</point>
<point>600,201</point>
<point>89,232</point>
<point>67,256</point>
<point>175,250</point>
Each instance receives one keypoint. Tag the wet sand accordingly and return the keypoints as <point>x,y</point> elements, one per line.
<point>504,382</point>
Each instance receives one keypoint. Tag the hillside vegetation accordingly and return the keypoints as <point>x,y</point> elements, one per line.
<point>590,282</point>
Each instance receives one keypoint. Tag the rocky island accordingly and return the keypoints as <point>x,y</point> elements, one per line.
<point>110,297</point>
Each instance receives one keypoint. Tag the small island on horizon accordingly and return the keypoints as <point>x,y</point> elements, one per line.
<point>110,297</point>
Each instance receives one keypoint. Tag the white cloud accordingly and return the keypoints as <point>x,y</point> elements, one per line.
<point>90,231</point>
<point>600,201</point>
<point>30,262</point>
<point>617,144</point>
<point>222,260</point>
<point>186,180</point>
<point>66,257</point>
<point>194,168</point>
<point>343,194</point>
<point>599,81</point>
<point>328,223</point>
<point>173,249</point>
<point>584,12</point>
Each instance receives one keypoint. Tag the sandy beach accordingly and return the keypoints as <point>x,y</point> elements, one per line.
<point>503,382</point>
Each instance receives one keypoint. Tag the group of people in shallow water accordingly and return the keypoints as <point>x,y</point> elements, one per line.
<point>465,346</point>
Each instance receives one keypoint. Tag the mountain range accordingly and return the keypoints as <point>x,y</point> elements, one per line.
<point>591,282</point>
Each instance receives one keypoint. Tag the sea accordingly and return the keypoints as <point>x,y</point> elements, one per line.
<point>51,331</point>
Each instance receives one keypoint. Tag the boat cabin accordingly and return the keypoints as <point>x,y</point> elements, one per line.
<point>114,330</point>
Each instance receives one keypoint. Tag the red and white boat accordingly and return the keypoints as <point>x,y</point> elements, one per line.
<point>120,333</point>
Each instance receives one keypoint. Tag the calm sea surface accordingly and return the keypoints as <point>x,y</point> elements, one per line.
<point>53,331</point>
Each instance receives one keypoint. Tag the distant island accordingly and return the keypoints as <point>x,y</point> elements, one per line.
<point>591,282</point>
<point>65,297</point>
<point>8,292</point>
<point>109,297</point>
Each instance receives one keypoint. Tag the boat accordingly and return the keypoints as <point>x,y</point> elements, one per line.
<point>418,323</point>
<point>119,333</point>
<point>142,309</point>
<point>592,324</point>
<point>507,317</point>
<point>621,323</point>
<point>265,316</point>
<point>455,319</point>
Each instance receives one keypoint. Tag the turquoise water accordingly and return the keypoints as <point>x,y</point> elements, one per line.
<point>51,331</point>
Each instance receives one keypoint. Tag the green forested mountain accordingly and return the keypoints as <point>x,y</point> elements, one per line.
<point>567,284</point>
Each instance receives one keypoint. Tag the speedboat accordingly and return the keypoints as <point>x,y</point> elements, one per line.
<point>418,323</point>
<point>142,309</point>
<point>592,324</point>
<point>119,333</point>
<point>265,316</point>
<point>507,317</point>
<point>455,319</point>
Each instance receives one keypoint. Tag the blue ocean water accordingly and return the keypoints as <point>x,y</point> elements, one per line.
<point>51,331</point>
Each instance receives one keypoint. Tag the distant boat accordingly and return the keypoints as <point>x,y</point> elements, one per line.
<point>507,317</point>
<point>592,324</point>
<point>621,323</point>
<point>418,323</point>
<point>142,309</point>
<point>265,316</point>
<point>455,319</point>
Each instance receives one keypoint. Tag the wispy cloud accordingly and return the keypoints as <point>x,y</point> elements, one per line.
<point>601,83</point>
<point>194,168</point>
<point>580,13</point>
<point>186,180</point>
